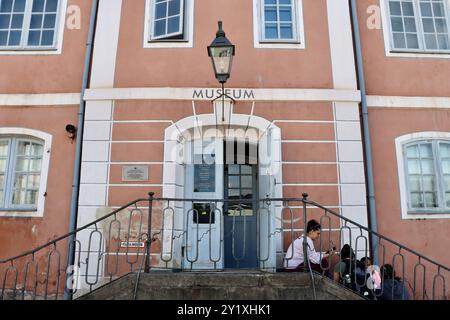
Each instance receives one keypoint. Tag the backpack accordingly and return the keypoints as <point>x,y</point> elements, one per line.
<point>354,276</point>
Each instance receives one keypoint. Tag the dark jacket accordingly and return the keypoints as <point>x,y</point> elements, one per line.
<point>400,292</point>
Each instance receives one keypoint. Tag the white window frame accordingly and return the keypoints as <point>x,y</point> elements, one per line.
<point>400,143</point>
<point>188,28</point>
<point>298,24</point>
<point>411,53</point>
<point>46,139</point>
<point>40,50</point>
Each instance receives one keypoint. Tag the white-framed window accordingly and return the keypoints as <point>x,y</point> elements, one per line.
<point>31,25</point>
<point>169,23</point>
<point>424,173</point>
<point>24,160</point>
<point>418,26</point>
<point>278,24</point>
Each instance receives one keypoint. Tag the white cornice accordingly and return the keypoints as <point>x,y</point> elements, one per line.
<point>46,99</point>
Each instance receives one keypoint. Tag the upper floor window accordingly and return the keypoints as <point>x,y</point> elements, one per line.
<point>29,24</point>
<point>419,26</point>
<point>169,23</point>
<point>427,170</point>
<point>278,21</point>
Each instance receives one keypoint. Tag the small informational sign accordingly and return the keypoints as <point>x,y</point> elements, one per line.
<point>132,244</point>
<point>204,178</point>
<point>135,173</point>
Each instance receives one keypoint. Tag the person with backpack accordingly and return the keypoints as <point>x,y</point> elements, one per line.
<point>392,287</point>
<point>350,272</point>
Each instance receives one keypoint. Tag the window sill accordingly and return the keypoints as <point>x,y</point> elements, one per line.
<point>427,214</point>
<point>20,213</point>
<point>279,45</point>
<point>168,44</point>
<point>416,54</point>
<point>33,51</point>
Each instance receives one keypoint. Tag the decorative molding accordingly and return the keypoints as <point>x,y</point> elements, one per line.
<point>44,99</point>
<point>408,102</point>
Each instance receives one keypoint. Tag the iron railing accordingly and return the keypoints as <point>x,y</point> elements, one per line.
<point>190,234</point>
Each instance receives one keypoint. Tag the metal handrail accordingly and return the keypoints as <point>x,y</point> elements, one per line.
<point>175,237</point>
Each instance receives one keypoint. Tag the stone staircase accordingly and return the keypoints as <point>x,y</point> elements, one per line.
<point>226,285</point>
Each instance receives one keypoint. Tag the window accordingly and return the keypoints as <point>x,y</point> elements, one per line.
<point>419,26</point>
<point>278,24</point>
<point>278,19</point>
<point>169,23</point>
<point>29,24</point>
<point>24,166</point>
<point>20,173</point>
<point>427,170</point>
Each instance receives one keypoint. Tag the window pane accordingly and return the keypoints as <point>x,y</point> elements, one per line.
<point>271,31</point>
<point>174,25</point>
<point>413,167</point>
<point>286,32</point>
<point>233,181</point>
<point>270,14</point>
<point>410,25</point>
<point>430,41</point>
<point>4,148</point>
<point>447,199</point>
<point>438,9</point>
<point>22,164</point>
<point>446,166</point>
<point>3,38</point>
<point>397,24</point>
<point>246,181</point>
<point>233,193</point>
<point>427,167</point>
<point>416,200</point>
<point>2,165</point>
<point>19,6</point>
<point>20,181</point>
<point>47,38</point>
<point>425,151</point>
<point>270,1</point>
<point>444,150</point>
<point>4,21</point>
<point>446,183</point>
<point>246,169</point>
<point>443,42</point>
<point>31,198</point>
<point>408,9</point>
<point>2,180</point>
<point>18,197</point>
<point>246,193</point>
<point>49,21</point>
<point>14,38</point>
<point>23,148</point>
<point>17,21</point>
<point>35,165</point>
<point>414,183</point>
<point>425,9</point>
<point>394,8</point>
<point>51,6</point>
<point>285,14</point>
<point>174,7</point>
<point>160,27</point>
<point>233,169</point>
<point>285,1</point>
<point>38,5</point>
<point>441,25</point>
<point>6,6</point>
<point>36,21</point>
<point>412,41</point>
<point>399,40</point>
<point>37,150</point>
<point>161,10</point>
<point>428,25</point>
<point>33,181</point>
<point>430,200</point>
<point>428,183</point>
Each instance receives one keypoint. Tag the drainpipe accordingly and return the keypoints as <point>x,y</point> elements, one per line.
<point>79,144</point>
<point>366,132</point>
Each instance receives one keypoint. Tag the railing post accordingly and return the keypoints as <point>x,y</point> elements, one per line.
<point>305,242</point>
<point>149,231</point>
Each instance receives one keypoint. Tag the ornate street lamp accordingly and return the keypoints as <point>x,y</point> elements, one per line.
<point>221,51</point>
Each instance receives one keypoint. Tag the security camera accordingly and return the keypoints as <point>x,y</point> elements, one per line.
<point>71,131</point>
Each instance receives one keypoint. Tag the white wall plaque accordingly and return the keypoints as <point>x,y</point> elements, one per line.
<point>132,173</point>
